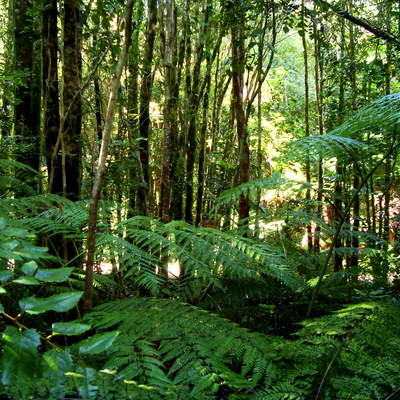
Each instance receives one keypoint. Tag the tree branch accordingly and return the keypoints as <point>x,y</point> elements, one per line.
<point>363,23</point>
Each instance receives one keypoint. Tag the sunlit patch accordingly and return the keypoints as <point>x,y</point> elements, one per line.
<point>174,269</point>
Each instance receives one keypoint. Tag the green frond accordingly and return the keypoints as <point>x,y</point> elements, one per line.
<point>326,147</point>
<point>208,254</point>
<point>381,114</point>
<point>199,354</point>
<point>274,182</point>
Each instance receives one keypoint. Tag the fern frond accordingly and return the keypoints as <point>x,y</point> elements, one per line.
<point>381,114</point>
<point>326,147</point>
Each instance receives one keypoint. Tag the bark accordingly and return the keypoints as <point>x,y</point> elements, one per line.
<point>238,59</point>
<point>6,90</point>
<point>306,120</point>
<point>179,141</point>
<point>98,105</point>
<point>133,112</point>
<point>145,96</point>
<point>194,101</point>
<point>96,80</point>
<point>353,261</point>
<point>170,108</point>
<point>338,259</point>
<point>101,167</point>
<point>51,107</point>
<point>319,101</point>
<point>72,103</point>
<point>27,94</point>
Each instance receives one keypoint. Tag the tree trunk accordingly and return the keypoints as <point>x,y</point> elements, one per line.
<point>170,108</point>
<point>101,167</point>
<point>306,121</point>
<point>145,96</point>
<point>27,94</point>
<point>338,258</point>
<point>72,104</point>
<point>194,101</point>
<point>238,60</point>
<point>320,121</point>
<point>133,112</point>
<point>51,107</point>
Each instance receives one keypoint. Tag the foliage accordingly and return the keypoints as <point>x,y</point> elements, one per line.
<point>203,356</point>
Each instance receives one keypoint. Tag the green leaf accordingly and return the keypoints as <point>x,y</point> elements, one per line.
<point>70,328</point>
<point>20,359</point>
<point>10,245</point>
<point>59,302</point>
<point>98,343</point>
<point>53,275</point>
<point>2,290</point>
<point>27,280</point>
<point>1,308</point>
<point>17,232</point>
<point>55,365</point>
<point>2,223</point>
<point>5,275</point>
<point>29,268</point>
<point>31,252</point>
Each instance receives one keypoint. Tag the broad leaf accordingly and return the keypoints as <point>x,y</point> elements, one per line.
<point>27,280</point>
<point>70,328</point>
<point>17,232</point>
<point>31,252</point>
<point>53,275</point>
<point>59,302</point>
<point>10,245</point>
<point>29,268</point>
<point>5,275</point>
<point>20,359</point>
<point>98,343</point>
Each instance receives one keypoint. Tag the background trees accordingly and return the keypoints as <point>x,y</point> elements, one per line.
<point>240,157</point>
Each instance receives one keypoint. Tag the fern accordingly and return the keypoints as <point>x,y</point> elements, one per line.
<point>208,254</point>
<point>326,146</point>
<point>381,114</point>
<point>201,355</point>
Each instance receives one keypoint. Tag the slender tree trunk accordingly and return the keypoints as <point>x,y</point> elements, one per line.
<point>99,107</point>
<point>51,107</point>
<point>355,243</point>
<point>133,112</point>
<point>320,121</point>
<point>338,259</point>
<point>179,141</point>
<point>101,167</point>
<point>170,108</point>
<point>238,60</point>
<point>388,166</point>
<point>144,116</point>
<point>6,89</point>
<point>71,145</point>
<point>27,94</point>
<point>203,134</point>
<point>306,121</point>
<point>194,101</point>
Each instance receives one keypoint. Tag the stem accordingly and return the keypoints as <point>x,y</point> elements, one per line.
<point>101,167</point>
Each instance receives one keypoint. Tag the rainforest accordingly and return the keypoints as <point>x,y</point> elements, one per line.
<point>199,199</point>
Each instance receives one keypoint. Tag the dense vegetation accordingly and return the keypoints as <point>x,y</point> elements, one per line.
<point>199,199</point>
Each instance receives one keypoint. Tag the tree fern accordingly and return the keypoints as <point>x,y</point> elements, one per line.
<point>381,114</point>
